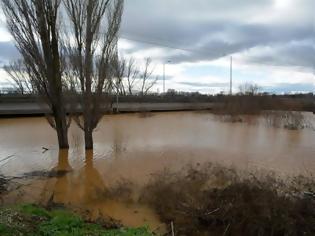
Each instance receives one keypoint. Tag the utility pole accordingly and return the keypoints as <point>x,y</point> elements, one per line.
<point>231,74</point>
<point>164,75</point>
<point>117,102</point>
<point>164,78</point>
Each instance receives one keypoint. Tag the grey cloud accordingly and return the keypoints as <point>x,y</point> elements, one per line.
<point>243,37</point>
<point>167,77</point>
<point>146,13</point>
<point>8,52</point>
<point>5,84</point>
<point>211,29</point>
<point>298,54</point>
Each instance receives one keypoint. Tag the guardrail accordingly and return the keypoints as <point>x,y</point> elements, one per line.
<point>29,109</point>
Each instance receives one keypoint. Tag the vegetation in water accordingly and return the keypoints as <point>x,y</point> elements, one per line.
<point>32,220</point>
<point>213,200</point>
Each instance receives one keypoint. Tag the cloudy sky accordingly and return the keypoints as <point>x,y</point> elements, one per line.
<point>272,42</point>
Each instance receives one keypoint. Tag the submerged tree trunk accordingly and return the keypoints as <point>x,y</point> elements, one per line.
<point>61,128</point>
<point>88,138</point>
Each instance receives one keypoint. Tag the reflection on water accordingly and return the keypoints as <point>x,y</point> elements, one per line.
<point>84,190</point>
<point>60,190</point>
<point>133,148</point>
<point>91,184</point>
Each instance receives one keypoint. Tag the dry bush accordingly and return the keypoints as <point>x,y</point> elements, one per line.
<point>145,114</point>
<point>230,118</point>
<point>218,201</point>
<point>3,184</point>
<point>243,104</point>
<point>254,104</point>
<point>286,119</point>
<point>123,190</point>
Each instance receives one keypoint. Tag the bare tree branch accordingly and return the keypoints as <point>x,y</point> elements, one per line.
<point>132,73</point>
<point>21,80</point>
<point>146,77</point>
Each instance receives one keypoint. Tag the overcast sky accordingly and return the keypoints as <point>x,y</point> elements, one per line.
<point>272,42</point>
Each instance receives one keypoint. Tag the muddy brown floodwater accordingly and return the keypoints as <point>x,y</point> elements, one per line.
<point>129,148</point>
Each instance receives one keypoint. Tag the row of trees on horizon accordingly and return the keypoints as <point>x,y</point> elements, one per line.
<point>130,77</point>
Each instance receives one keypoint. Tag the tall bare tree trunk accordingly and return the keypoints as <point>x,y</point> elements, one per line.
<point>34,26</point>
<point>88,137</point>
<point>61,127</point>
<point>87,104</point>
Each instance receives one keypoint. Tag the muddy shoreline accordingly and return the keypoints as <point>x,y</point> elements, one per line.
<point>199,200</point>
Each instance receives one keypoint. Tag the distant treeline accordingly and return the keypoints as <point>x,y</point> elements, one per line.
<point>304,101</point>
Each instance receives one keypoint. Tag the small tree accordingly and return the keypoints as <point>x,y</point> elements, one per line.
<point>119,70</point>
<point>131,73</point>
<point>128,78</point>
<point>146,80</point>
<point>249,89</point>
<point>33,25</point>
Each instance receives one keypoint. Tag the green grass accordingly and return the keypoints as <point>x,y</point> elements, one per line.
<point>5,230</point>
<point>33,210</point>
<point>36,221</point>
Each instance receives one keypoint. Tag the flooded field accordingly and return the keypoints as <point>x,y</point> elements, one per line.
<point>130,148</point>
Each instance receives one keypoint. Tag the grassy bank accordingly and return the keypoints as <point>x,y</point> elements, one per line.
<point>31,220</point>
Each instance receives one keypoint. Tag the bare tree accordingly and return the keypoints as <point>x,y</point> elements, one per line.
<point>128,78</point>
<point>33,25</point>
<point>119,67</point>
<point>91,55</point>
<point>147,82</point>
<point>132,73</point>
<point>249,89</point>
<point>126,75</point>
<point>19,76</point>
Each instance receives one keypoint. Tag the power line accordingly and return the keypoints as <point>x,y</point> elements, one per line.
<point>155,43</point>
<point>203,53</point>
<point>128,36</point>
<point>165,45</point>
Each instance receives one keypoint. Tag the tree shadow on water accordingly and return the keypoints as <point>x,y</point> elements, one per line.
<point>75,187</point>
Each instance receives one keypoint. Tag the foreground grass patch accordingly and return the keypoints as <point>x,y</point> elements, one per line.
<point>36,221</point>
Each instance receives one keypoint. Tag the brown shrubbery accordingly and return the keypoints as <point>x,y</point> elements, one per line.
<point>278,112</point>
<point>217,201</point>
<point>292,120</point>
<point>254,104</point>
<point>3,184</point>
